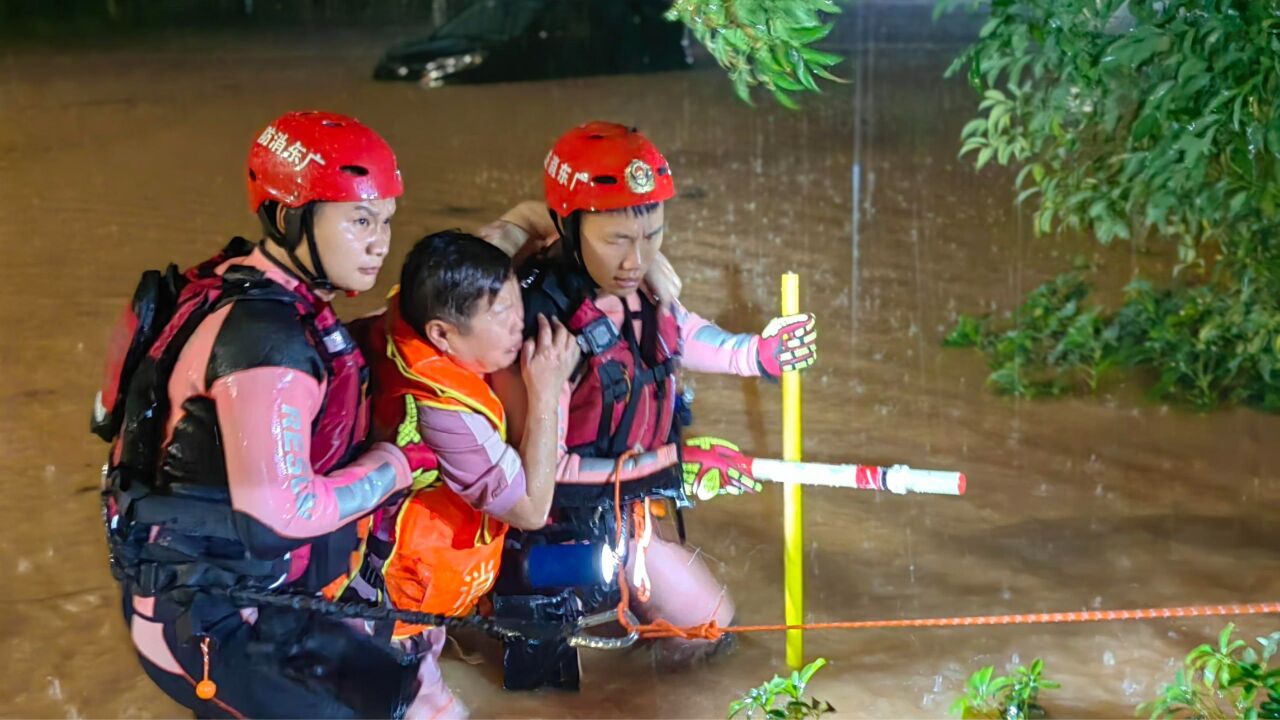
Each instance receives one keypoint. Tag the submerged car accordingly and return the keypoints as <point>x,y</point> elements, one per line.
<point>504,40</point>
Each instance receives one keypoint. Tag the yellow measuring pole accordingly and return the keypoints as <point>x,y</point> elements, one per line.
<point>793,499</point>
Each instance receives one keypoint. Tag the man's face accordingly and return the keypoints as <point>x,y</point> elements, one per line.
<point>618,247</point>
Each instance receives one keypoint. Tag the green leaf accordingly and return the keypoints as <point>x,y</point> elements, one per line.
<point>828,76</point>
<point>984,156</point>
<point>1022,175</point>
<point>1160,91</point>
<point>973,127</point>
<point>989,27</point>
<point>1238,201</point>
<point>1224,638</point>
<point>1270,644</point>
<point>786,83</point>
<point>810,35</point>
<point>1273,139</point>
<point>736,38</point>
<point>972,145</point>
<point>968,332</point>
<point>1146,125</point>
<point>807,673</point>
<point>999,113</point>
<point>783,100</point>
<point>741,86</point>
<point>1136,50</point>
<point>820,58</point>
<point>802,72</point>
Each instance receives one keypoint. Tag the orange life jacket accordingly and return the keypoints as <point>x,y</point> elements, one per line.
<point>444,554</point>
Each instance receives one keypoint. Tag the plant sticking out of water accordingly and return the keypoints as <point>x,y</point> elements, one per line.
<point>1011,697</point>
<point>1156,123</point>
<point>1206,346</point>
<point>1055,343</point>
<point>1231,680</point>
<point>764,43</point>
<point>782,698</point>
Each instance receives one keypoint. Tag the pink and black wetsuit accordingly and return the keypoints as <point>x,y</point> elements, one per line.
<point>263,456</point>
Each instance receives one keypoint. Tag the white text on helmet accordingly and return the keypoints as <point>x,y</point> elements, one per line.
<point>562,173</point>
<point>295,154</point>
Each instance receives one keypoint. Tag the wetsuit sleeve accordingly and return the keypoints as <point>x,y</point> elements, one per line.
<point>475,462</point>
<point>707,348</point>
<point>572,468</point>
<point>265,415</point>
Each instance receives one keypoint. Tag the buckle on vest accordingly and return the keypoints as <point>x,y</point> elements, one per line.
<point>337,341</point>
<point>598,336</point>
<point>153,579</point>
<point>614,385</point>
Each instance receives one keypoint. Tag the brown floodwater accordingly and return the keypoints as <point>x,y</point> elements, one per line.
<point>116,159</point>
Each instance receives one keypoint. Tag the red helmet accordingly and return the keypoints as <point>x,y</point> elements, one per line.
<point>318,156</point>
<point>605,166</point>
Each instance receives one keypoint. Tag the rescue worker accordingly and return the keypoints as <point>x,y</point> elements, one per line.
<point>235,404</point>
<point>456,317</point>
<point>527,229</point>
<point>606,185</point>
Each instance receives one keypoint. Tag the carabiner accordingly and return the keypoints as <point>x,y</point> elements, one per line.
<point>580,639</point>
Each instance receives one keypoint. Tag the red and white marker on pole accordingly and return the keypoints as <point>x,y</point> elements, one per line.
<point>897,479</point>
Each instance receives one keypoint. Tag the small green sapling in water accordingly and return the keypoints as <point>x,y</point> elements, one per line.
<point>782,698</point>
<point>1231,680</point>
<point>1012,697</point>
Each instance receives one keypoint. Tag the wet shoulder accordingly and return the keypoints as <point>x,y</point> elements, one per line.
<point>550,288</point>
<point>263,333</point>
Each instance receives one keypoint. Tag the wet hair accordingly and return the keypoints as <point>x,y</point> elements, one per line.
<point>446,275</point>
<point>638,210</point>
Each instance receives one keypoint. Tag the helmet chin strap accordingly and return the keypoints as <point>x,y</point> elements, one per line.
<point>570,230</point>
<point>299,223</point>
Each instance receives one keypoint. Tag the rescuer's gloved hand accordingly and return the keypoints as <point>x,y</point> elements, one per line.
<point>714,467</point>
<point>788,343</point>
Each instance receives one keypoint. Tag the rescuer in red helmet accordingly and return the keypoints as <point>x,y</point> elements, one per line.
<point>234,402</point>
<point>606,188</point>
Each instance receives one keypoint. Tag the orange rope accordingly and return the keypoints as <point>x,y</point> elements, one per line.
<point>712,631</point>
